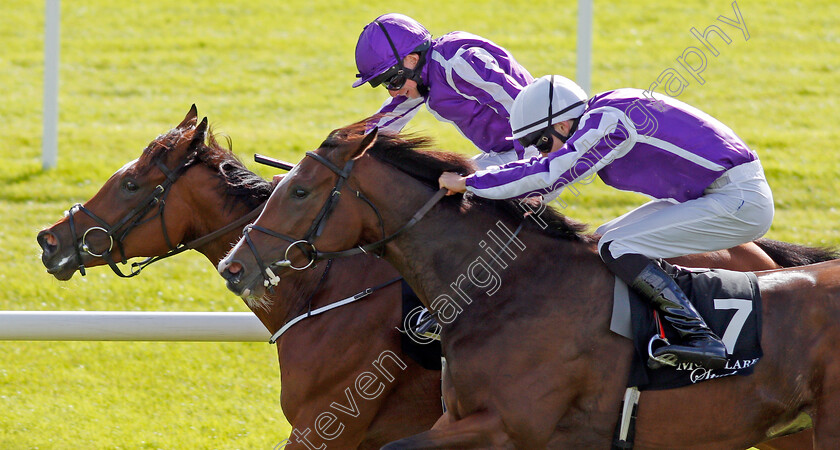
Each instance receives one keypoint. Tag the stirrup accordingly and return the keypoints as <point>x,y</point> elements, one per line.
<point>428,327</point>
<point>657,362</point>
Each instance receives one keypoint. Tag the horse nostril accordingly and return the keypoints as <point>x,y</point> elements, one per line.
<point>234,268</point>
<point>233,272</point>
<point>47,241</point>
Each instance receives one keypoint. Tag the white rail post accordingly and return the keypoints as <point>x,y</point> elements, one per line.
<point>49,144</point>
<point>584,45</point>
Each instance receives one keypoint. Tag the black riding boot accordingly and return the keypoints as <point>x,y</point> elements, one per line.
<point>699,344</point>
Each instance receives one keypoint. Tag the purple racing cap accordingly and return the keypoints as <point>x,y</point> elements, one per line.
<point>380,39</point>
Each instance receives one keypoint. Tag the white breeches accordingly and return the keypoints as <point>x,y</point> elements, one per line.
<point>736,208</point>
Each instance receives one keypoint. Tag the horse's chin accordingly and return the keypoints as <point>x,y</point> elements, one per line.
<point>63,273</point>
<point>253,293</point>
<point>257,301</point>
<point>249,292</point>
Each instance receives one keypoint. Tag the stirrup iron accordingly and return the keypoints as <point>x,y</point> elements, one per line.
<point>657,362</point>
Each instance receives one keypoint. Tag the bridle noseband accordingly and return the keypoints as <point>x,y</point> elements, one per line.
<point>319,222</point>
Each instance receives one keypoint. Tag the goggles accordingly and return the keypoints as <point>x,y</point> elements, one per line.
<point>394,78</point>
<point>541,139</point>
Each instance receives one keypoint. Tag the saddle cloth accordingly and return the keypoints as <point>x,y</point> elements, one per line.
<point>729,302</point>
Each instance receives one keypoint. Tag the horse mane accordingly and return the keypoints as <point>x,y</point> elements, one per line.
<point>795,255</point>
<point>411,154</point>
<point>240,185</point>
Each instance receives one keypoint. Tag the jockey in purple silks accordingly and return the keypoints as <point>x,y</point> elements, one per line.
<point>708,188</point>
<point>463,79</point>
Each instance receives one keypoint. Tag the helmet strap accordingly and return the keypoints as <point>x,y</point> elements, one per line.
<point>572,129</point>
<point>416,74</point>
<point>412,74</point>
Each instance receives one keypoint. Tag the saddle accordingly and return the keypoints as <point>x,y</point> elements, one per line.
<point>728,301</point>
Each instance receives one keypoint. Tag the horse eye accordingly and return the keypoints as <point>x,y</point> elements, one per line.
<point>130,186</point>
<point>299,193</point>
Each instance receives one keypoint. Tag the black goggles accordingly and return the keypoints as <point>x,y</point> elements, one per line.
<point>394,78</point>
<point>540,139</point>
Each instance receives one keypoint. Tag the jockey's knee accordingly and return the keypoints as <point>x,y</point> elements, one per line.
<point>610,249</point>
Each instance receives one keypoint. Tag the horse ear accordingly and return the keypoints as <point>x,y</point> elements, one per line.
<point>199,134</point>
<point>366,143</point>
<point>189,120</point>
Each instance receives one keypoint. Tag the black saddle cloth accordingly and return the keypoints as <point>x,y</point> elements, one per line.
<point>730,302</point>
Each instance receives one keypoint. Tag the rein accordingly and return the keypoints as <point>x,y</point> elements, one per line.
<point>343,174</point>
<point>199,242</point>
<point>318,224</point>
<point>309,313</point>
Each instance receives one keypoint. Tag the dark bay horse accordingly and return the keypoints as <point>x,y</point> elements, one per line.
<point>319,364</point>
<point>531,360</point>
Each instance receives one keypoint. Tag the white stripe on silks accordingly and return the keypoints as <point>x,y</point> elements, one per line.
<point>681,152</point>
<point>609,120</point>
<point>403,113</point>
<point>546,181</point>
<point>467,72</point>
<point>656,142</point>
<point>538,181</point>
<point>442,61</point>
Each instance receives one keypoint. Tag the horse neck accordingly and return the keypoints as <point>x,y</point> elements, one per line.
<point>208,209</point>
<point>447,242</point>
<point>212,209</point>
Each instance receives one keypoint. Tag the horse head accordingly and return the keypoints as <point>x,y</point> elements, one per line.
<point>125,217</point>
<point>285,232</point>
<point>327,206</point>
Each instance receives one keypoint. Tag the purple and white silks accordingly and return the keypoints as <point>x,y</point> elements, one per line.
<point>472,84</point>
<point>660,147</point>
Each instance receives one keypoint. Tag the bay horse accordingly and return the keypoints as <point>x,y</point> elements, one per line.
<point>531,362</point>
<point>319,364</point>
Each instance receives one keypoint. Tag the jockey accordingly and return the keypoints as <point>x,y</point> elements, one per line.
<point>462,78</point>
<point>708,187</point>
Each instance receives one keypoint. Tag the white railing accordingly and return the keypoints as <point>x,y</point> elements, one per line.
<point>131,326</point>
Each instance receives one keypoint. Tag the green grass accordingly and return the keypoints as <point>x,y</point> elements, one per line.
<point>275,77</point>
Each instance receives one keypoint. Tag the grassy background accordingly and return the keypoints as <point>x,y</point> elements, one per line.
<point>275,77</point>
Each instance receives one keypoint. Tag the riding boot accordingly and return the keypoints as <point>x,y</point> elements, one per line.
<point>699,344</point>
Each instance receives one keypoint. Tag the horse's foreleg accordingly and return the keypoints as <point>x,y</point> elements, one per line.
<point>480,430</point>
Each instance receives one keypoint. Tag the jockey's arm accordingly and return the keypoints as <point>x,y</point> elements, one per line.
<point>396,112</point>
<point>601,138</point>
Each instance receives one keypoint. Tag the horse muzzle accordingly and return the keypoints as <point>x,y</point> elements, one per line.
<point>59,262</point>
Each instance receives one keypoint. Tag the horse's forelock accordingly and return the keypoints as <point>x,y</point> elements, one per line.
<point>160,147</point>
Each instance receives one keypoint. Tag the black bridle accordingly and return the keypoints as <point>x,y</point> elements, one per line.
<point>306,244</point>
<point>117,232</point>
